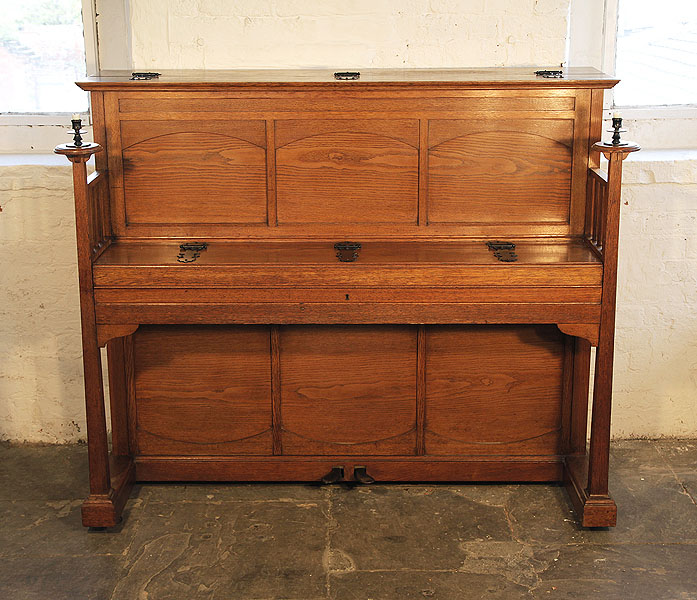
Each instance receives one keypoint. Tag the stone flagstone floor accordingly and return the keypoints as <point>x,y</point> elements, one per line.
<point>393,542</point>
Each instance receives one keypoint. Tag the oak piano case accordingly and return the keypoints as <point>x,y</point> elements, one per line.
<point>395,278</point>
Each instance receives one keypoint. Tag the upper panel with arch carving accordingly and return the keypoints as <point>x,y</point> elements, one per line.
<point>194,172</point>
<point>347,171</point>
<point>499,171</point>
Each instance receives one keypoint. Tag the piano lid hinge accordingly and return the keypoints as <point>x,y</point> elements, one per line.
<point>144,76</point>
<point>550,73</point>
<point>190,251</point>
<point>347,75</point>
<point>504,251</point>
<point>347,251</point>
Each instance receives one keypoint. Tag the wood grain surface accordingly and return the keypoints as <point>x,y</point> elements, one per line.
<point>192,177</point>
<point>493,390</point>
<point>267,359</point>
<point>362,165</point>
<point>576,77</point>
<point>500,171</point>
<point>203,390</point>
<point>347,177</point>
<point>348,390</point>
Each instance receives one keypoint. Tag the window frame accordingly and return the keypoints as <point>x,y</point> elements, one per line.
<point>89,27</point>
<point>586,17</point>
<point>609,62</point>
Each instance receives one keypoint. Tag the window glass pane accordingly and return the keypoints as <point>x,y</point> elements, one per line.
<point>656,52</point>
<point>42,53</point>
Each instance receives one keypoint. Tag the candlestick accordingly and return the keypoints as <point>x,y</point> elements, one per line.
<point>617,127</point>
<point>76,130</point>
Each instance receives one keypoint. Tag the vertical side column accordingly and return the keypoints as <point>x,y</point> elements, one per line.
<point>599,450</point>
<point>103,506</point>
<point>118,396</point>
<point>276,425</point>
<point>271,204</point>
<point>579,403</point>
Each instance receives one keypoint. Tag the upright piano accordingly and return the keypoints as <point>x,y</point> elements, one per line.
<point>384,275</point>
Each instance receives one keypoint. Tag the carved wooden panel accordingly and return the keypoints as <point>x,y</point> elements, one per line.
<point>499,171</point>
<point>347,171</point>
<point>348,390</point>
<point>494,389</point>
<point>191,172</point>
<point>202,390</point>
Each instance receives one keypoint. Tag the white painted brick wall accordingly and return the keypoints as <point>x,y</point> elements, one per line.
<point>41,395</point>
<point>219,34</point>
<point>656,345</point>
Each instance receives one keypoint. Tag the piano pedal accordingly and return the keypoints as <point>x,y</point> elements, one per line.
<point>360,474</point>
<point>334,476</point>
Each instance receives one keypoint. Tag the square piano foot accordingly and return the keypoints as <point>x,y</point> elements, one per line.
<point>591,510</point>
<point>104,510</point>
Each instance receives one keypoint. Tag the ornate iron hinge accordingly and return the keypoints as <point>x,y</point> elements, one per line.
<point>144,76</point>
<point>347,251</point>
<point>504,251</point>
<point>550,74</point>
<point>190,251</point>
<point>347,75</point>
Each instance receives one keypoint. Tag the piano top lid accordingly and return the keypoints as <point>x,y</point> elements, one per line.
<point>511,77</point>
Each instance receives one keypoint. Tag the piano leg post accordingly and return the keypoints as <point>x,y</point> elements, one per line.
<point>586,475</point>
<point>111,477</point>
<point>592,511</point>
<point>599,510</point>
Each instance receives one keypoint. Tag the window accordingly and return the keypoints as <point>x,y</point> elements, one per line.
<point>656,57</point>
<point>42,52</point>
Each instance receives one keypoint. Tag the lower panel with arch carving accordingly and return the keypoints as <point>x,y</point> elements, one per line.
<point>201,390</point>
<point>348,390</point>
<point>494,390</point>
